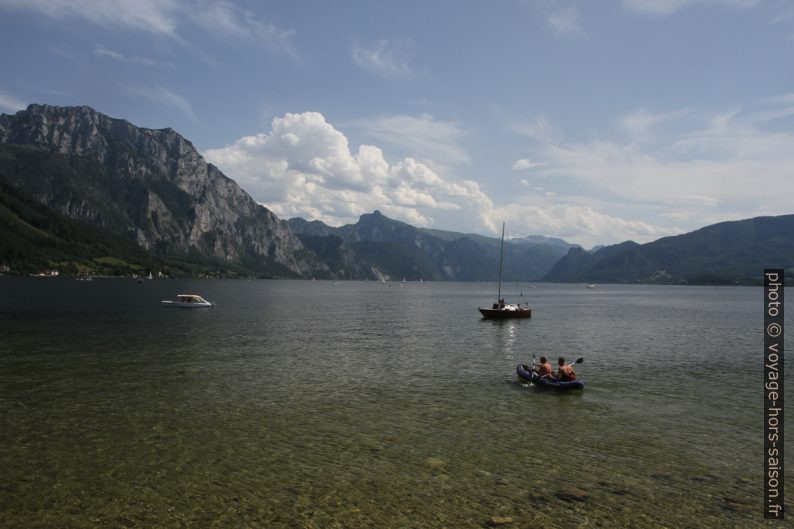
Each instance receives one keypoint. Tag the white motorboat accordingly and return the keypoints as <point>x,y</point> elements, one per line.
<point>188,301</point>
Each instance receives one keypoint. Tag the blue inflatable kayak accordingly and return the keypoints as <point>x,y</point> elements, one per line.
<point>525,372</point>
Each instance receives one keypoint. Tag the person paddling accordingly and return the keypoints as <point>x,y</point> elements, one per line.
<point>543,369</point>
<point>565,372</point>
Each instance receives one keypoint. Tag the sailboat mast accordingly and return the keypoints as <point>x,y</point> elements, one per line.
<point>501,255</point>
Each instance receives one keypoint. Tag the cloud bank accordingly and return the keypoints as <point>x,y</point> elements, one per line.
<point>682,168</point>
<point>305,167</point>
<point>676,171</point>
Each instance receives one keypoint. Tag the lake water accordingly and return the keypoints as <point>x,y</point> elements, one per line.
<point>301,404</point>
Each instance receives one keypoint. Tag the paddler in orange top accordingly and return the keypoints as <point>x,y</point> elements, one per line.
<point>543,369</point>
<point>565,372</point>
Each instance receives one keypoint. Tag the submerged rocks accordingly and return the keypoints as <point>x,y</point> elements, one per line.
<point>612,488</point>
<point>571,494</point>
<point>707,479</point>
<point>736,505</point>
<point>539,498</point>
<point>620,492</point>
<point>434,463</point>
<point>496,521</point>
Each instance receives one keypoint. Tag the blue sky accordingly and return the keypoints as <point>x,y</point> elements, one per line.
<point>596,122</point>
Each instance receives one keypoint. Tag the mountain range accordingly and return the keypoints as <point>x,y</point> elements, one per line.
<point>377,247</point>
<point>84,193</point>
<point>734,252</point>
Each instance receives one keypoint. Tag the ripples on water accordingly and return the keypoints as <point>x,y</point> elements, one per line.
<point>300,404</point>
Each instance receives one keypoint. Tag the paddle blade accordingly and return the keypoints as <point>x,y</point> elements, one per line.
<point>579,360</point>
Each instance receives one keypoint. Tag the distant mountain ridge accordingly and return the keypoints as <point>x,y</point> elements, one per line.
<point>541,239</point>
<point>734,252</point>
<point>388,249</point>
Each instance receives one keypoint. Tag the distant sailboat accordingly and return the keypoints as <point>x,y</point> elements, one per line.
<point>500,309</point>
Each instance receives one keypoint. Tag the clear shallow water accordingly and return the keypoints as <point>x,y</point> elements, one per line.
<point>300,404</point>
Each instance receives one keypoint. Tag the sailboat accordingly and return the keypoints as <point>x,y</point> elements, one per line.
<point>500,309</point>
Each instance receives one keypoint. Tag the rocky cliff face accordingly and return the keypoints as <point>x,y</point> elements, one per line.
<point>151,185</point>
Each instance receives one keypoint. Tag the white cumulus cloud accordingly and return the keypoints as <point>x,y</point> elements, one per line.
<point>593,192</point>
<point>305,167</point>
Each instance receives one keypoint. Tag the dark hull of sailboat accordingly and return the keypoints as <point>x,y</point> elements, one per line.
<point>503,314</point>
<point>501,310</point>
